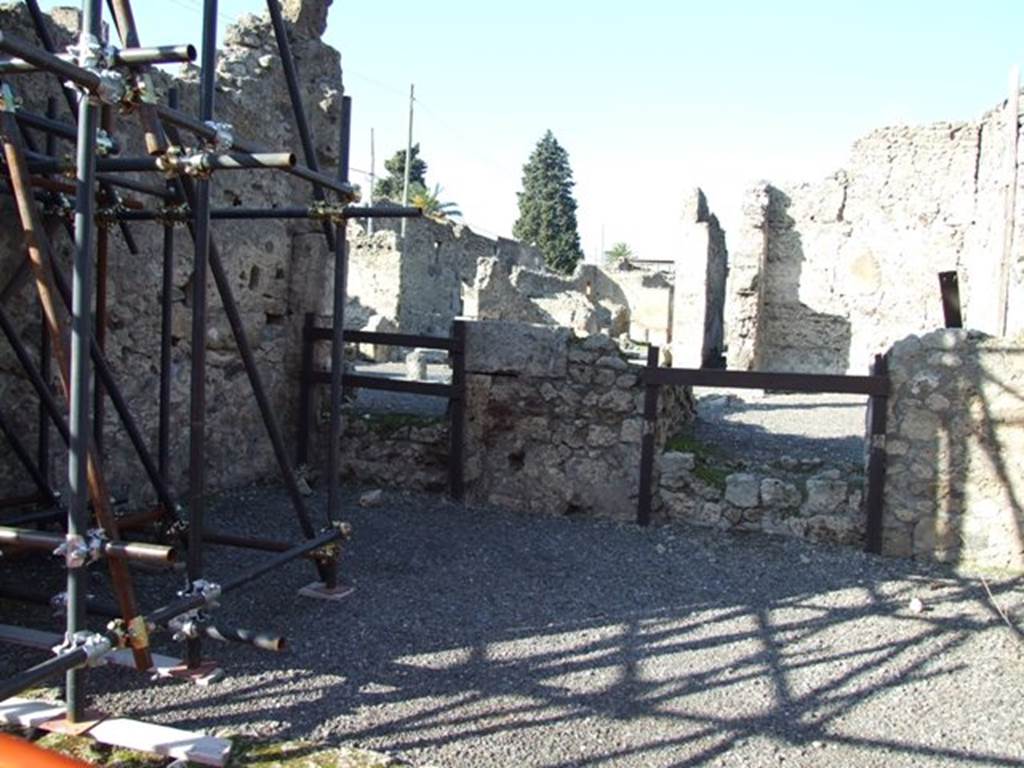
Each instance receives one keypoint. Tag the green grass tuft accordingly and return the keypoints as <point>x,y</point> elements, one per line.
<point>388,423</point>
<point>708,467</point>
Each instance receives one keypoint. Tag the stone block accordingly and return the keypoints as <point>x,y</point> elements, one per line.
<point>676,468</point>
<point>742,490</point>
<point>778,494</point>
<point>517,349</point>
<point>825,495</point>
<point>614,362</point>
<point>632,430</point>
<point>416,365</point>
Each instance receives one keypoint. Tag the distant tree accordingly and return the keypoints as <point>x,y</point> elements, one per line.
<point>619,254</point>
<point>391,185</point>
<point>430,201</point>
<point>547,208</point>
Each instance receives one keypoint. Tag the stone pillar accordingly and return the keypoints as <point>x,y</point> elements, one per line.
<point>699,294</point>
<point>745,291</point>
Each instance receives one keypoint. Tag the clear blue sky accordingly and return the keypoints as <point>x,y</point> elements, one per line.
<point>649,98</point>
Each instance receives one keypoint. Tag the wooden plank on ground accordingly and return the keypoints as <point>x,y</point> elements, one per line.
<point>163,740</point>
<point>160,740</point>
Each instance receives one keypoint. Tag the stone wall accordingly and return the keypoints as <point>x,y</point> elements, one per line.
<point>825,275</point>
<point>394,450</point>
<point>554,421</point>
<point>955,448</point>
<point>275,268</point>
<point>416,284</point>
<point>787,497</point>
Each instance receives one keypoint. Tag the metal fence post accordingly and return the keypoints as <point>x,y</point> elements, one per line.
<point>650,418</point>
<point>877,411</point>
<point>457,413</point>
<point>305,390</point>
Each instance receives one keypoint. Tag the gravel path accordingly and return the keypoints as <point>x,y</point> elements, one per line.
<point>761,427</point>
<point>378,401</point>
<point>479,638</point>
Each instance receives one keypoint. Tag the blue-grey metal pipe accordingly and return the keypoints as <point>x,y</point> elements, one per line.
<point>337,327</point>
<point>197,419</point>
<point>79,421</point>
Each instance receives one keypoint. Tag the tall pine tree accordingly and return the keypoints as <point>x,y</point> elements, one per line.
<point>547,209</point>
<point>391,185</point>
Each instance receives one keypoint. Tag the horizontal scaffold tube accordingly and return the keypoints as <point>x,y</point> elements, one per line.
<point>129,57</point>
<point>314,212</point>
<point>195,164</point>
<point>80,656</point>
<point>26,538</point>
<point>204,131</point>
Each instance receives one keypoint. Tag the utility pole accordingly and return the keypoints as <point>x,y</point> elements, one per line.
<point>373,181</point>
<point>408,153</point>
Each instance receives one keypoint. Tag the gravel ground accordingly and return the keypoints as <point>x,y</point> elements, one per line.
<point>482,638</point>
<point>761,426</point>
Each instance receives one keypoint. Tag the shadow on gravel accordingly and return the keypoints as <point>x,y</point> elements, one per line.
<point>477,638</point>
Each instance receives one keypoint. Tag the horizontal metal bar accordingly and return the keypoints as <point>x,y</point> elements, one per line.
<point>201,129</point>
<point>791,382</point>
<point>129,57</point>
<point>76,658</point>
<point>382,212</point>
<point>210,161</point>
<point>41,672</point>
<point>24,538</point>
<point>19,48</point>
<point>263,640</point>
<point>311,213</point>
<point>386,339</point>
<point>245,542</point>
<point>99,607</point>
<point>300,550</point>
<point>155,54</point>
<point>388,385</point>
<point>56,127</point>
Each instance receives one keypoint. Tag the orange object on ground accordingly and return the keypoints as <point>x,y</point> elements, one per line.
<point>18,753</point>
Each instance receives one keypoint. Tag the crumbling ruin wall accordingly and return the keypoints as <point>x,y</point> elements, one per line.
<point>617,301</point>
<point>954,486</point>
<point>697,312</point>
<point>679,308</point>
<point>416,283</point>
<point>554,421</point>
<point>825,275</point>
<point>276,269</point>
<point>640,300</point>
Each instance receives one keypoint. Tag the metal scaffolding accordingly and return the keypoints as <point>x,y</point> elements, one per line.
<point>101,82</point>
